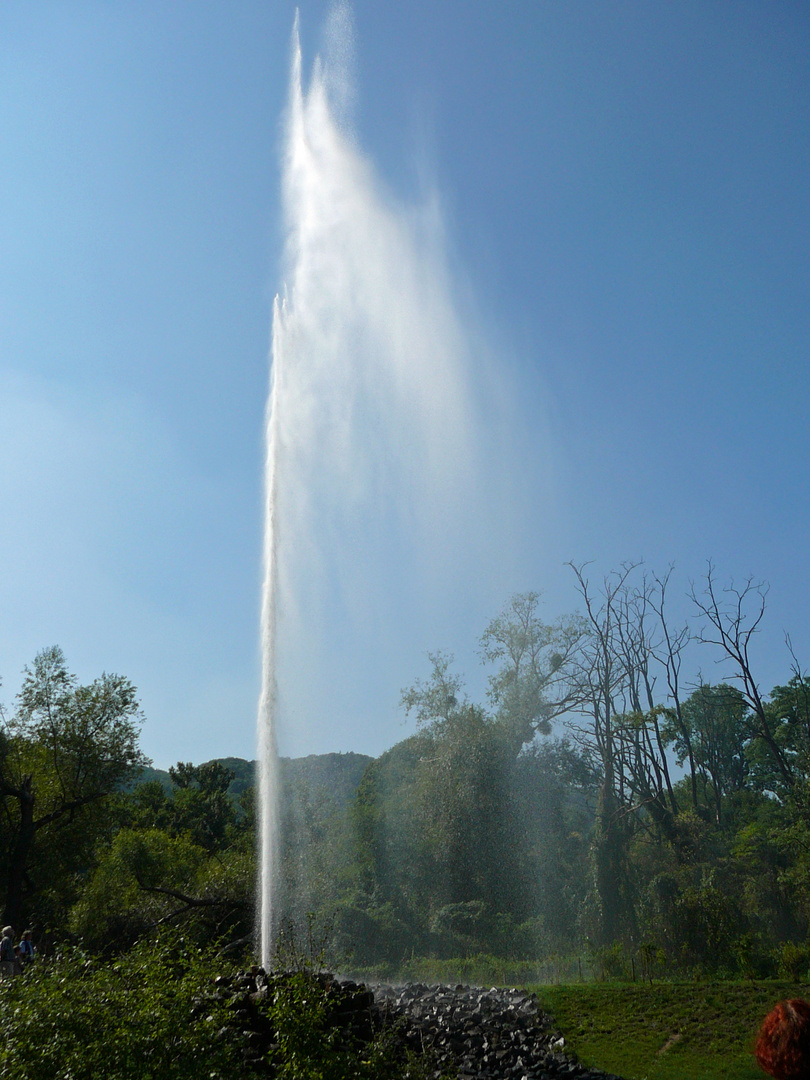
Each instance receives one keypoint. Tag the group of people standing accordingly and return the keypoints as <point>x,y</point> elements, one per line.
<point>14,958</point>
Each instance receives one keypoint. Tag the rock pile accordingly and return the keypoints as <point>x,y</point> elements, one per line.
<point>480,1034</point>
<point>464,1031</point>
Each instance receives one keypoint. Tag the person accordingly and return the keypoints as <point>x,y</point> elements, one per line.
<point>783,1044</point>
<point>7,953</point>
<point>27,949</point>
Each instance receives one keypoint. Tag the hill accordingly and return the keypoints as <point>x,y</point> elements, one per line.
<point>332,778</point>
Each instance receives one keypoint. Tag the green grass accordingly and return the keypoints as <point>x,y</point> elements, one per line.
<point>667,1031</point>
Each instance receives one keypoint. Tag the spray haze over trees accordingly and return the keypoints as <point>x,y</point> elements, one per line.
<point>552,363</point>
<point>371,431</point>
<point>604,810</point>
<point>458,834</point>
<point>607,809</point>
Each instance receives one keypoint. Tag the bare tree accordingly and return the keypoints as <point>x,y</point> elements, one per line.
<point>601,679</point>
<point>733,615</point>
<point>637,639</point>
<point>668,652</point>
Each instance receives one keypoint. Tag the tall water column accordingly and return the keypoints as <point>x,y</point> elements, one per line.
<point>369,420</point>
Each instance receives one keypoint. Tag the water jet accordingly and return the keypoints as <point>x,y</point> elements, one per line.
<point>369,418</point>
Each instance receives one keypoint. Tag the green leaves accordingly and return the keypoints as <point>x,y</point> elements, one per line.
<point>87,736</point>
<point>529,687</point>
<point>74,1018</point>
<point>66,748</point>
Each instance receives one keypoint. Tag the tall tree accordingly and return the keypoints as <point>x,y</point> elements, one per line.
<point>65,748</point>
<point>643,760</point>
<point>531,685</point>
<point>602,678</point>
<point>732,617</point>
<point>669,654</point>
<point>716,720</point>
<point>463,789</point>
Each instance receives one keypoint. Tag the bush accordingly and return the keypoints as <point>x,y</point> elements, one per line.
<point>71,1016</point>
<point>310,1046</point>
<point>157,1013</point>
<point>609,961</point>
<point>792,960</point>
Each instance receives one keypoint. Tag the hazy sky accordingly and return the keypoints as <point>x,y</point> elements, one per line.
<point>619,192</point>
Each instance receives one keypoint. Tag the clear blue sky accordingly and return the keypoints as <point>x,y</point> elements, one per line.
<point>624,189</point>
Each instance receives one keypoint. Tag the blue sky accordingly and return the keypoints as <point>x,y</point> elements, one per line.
<point>623,197</point>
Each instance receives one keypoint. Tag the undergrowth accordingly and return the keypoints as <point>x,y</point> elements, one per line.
<point>72,1016</point>
<point>153,1013</point>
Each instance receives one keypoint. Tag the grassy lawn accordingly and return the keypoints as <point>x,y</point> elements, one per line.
<point>667,1031</point>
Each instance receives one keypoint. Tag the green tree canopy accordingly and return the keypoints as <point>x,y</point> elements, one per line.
<point>65,748</point>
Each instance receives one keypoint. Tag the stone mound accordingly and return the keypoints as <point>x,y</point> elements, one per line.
<point>464,1031</point>
<point>480,1034</point>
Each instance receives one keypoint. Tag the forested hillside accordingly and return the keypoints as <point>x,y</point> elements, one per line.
<point>334,775</point>
<point>603,806</point>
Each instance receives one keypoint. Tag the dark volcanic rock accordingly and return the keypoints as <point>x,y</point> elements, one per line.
<point>481,1034</point>
<point>469,1032</point>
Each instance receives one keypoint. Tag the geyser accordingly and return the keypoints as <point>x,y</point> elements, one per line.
<point>369,421</point>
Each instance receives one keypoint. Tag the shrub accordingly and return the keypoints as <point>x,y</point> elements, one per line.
<point>792,960</point>
<point>71,1016</point>
<point>157,1012</point>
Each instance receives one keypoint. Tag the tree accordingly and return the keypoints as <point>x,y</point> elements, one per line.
<point>531,686</point>
<point>602,678</point>
<point>788,713</point>
<point>435,701</point>
<point>715,725</point>
<point>462,788</point>
<point>669,654</point>
<point>201,804</point>
<point>146,878</point>
<point>733,616</point>
<point>64,750</point>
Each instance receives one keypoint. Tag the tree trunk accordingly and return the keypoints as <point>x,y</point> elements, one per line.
<point>14,913</point>
<point>608,867</point>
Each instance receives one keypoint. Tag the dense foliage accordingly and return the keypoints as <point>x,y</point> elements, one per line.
<point>660,828</point>
<point>63,750</point>
<point>160,1011</point>
<point>72,1016</point>
<point>602,811</point>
